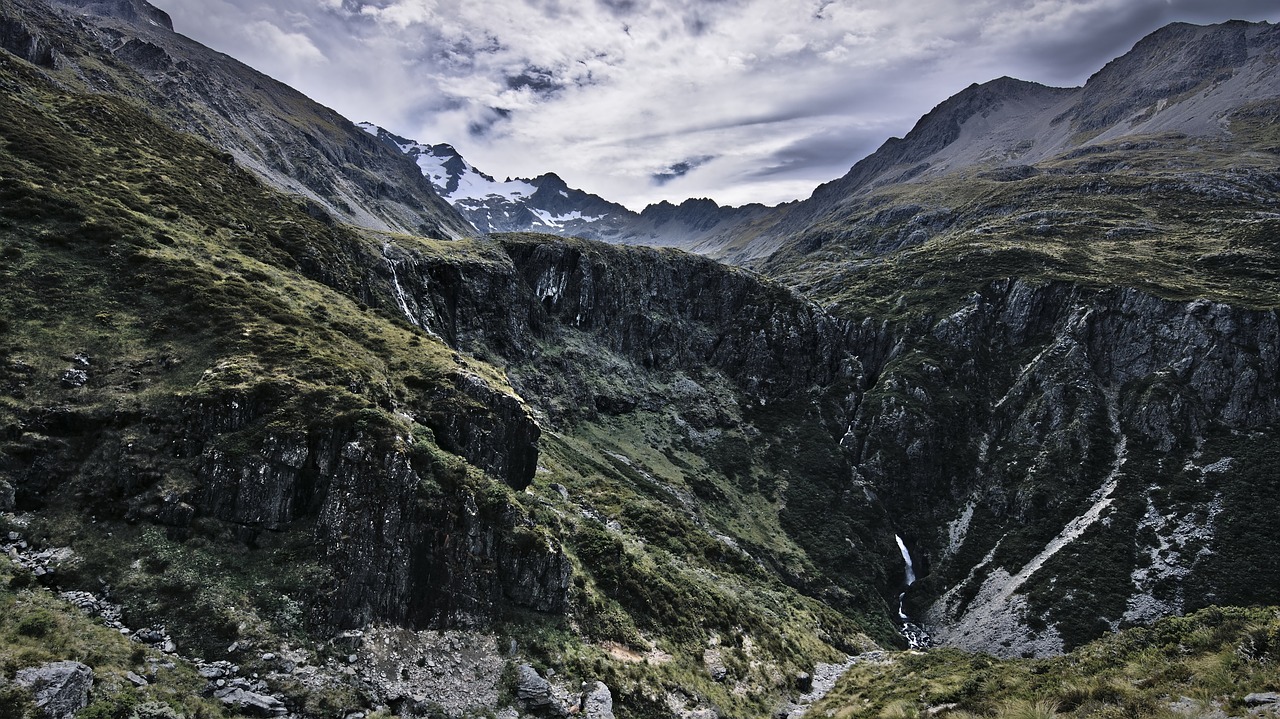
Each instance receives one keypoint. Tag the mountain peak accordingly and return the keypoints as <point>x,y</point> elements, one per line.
<point>134,11</point>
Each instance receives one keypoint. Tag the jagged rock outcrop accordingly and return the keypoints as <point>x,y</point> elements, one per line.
<point>436,553</point>
<point>60,689</point>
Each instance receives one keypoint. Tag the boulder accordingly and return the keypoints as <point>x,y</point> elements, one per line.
<point>60,689</point>
<point>1259,699</point>
<point>597,701</point>
<point>534,692</point>
<point>243,700</point>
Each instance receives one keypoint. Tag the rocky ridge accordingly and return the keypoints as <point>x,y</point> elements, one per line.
<point>129,48</point>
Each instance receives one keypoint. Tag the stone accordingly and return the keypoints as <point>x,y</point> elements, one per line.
<point>135,679</point>
<point>597,701</point>
<point>532,690</point>
<point>61,689</point>
<point>715,664</point>
<point>251,702</point>
<point>73,378</point>
<point>1262,699</point>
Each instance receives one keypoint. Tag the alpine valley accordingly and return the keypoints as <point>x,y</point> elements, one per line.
<point>301,418</point>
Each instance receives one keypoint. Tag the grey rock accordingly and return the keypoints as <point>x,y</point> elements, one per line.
<point>73,378</point>
<point>1262,699</point>
<point>60,689</point>
<point>597,701</point>
<point>7,496</point>
<point>715,664</point>
<point>533,691</point>
<point>251,702</point>
<point>135,679</point>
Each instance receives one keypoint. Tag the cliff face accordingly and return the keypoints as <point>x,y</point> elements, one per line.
<point>198,381</point>
<point>1050,436</point>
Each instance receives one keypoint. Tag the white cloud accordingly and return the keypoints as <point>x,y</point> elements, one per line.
<point>294,47</point>
<point>607,93</point>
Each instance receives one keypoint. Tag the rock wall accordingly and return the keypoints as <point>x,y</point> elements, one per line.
<point>1033,426</point>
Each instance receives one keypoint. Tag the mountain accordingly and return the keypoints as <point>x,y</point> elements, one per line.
<point>261,455</point>
<point>292,143</point>
<point>546,204</point>
<point>1183,83</point>
<point>543,204</point>
<point>1183,86</point>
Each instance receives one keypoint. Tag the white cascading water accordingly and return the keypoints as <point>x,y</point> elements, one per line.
<point>915,634</point>
<point>911,574</point>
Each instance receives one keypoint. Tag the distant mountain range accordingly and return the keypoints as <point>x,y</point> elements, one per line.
<point>1182,81</point>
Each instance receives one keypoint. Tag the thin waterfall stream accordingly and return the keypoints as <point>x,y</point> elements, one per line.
<point>917,637</point>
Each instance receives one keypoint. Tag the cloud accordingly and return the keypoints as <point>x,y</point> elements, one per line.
<point>617,96</point>
<point>679,169</point>
<point>293,47</point>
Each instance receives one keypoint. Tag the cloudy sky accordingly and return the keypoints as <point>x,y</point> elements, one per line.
<point>645,100</point>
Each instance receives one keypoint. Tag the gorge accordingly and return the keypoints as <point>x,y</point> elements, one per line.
<point>278,416</point>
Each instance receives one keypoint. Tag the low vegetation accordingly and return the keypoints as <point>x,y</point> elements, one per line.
<point>1203,662</point>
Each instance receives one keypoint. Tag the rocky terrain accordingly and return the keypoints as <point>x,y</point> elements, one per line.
<point>280,436</point>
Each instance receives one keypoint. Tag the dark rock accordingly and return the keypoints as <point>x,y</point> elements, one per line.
<point>27,43</point>
<point>128,10</point>
<point>7,496</point>
<point>61,689</point>
<point>804,681</point>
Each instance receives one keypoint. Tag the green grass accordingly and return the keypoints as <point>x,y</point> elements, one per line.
<point>37,628</point>
<point>1213,656</point>
<point>1125,214</point>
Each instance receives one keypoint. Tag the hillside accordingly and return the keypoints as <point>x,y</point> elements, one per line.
<point>290,427</point>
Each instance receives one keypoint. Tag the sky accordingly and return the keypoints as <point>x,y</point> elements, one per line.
<point>646,100</point>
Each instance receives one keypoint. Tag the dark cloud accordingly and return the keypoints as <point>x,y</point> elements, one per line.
<point>540,80</point>
<point>827,154</point>
<point>487,120</point>
<point>680,169</point>
<point>1070,56</point>
<point>622,7</point>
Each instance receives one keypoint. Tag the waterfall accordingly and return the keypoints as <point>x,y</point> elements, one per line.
<point>917,637</point>
<point>402,298</point>
<point>906,557</point>
<point>911,575</point>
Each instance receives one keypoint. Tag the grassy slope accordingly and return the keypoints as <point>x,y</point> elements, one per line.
<point>1213,657</point>
<point>1177,217</point>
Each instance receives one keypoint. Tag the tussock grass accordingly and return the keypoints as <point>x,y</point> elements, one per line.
<point>1134,673</point>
